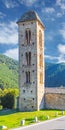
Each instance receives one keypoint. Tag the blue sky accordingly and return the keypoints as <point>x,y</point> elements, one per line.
<point>52,14</point>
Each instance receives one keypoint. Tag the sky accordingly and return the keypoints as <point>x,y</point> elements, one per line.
<point>52,14</point>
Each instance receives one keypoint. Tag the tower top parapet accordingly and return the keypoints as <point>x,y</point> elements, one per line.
<point>30,16</point>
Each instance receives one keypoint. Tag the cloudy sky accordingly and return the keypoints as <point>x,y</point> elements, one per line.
<point>52,14</point>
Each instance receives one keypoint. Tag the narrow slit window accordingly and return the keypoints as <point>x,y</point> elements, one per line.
<point>28,58</point>
<point>27,77</point>
<point>41,60</point>
<point>41,78</point>
<point>40,38</point>
<point>26,36</point>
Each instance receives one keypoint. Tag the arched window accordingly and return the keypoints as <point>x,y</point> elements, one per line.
<point>27,77</point>
<point>41,60</point>
<point>28,36</point>
<point>40,38</point>
<point>28,58</point>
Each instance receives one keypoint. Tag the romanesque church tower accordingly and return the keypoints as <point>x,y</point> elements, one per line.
<point>31,62</point>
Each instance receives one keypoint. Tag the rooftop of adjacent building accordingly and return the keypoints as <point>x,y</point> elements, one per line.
<point>29,16</point>
<point>55,90</point>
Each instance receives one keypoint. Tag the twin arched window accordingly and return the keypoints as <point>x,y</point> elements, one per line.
<point>28,36</point>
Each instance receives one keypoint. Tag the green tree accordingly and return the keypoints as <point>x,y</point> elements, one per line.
<point>7,100</point>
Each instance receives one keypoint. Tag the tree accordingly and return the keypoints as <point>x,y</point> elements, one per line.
<point>7,100</point>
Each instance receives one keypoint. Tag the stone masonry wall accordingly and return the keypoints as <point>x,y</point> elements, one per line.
<point>55,98</point>
<point>31,94</point>
<point>40,86</point>
<point>27,98</point>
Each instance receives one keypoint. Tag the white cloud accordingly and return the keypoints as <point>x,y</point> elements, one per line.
<point>10,3</point>
<point>8,33</point>
<point>51,57</point>
<point>61,4</point>
<point>27,2</point>
<point>2,15</point>
<point>59,14</point>
<point>62,31</point>
<point>49,10</point>
<point>50,36</point>
<point>61,49</point>
<point>13,53</point>
<point>49,13</point>
<point>60,58</point>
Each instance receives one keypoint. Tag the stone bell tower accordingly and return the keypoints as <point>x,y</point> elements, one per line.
<point>31,62</point>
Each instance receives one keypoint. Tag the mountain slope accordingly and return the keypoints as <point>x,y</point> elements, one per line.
<point>54,75</point>
<point>8,72</point>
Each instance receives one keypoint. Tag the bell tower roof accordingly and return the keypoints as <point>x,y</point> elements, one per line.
<point>29,16</point>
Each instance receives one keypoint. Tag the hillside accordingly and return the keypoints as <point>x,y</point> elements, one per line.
<point>55,75</point>
<point>8,72</point>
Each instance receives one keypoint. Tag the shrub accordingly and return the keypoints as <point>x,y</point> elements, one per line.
<point>7,100</point>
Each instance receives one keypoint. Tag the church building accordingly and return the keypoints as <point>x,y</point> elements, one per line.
<point>31,62</point>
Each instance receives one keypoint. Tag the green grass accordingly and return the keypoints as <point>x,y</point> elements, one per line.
<point>12,118</point>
